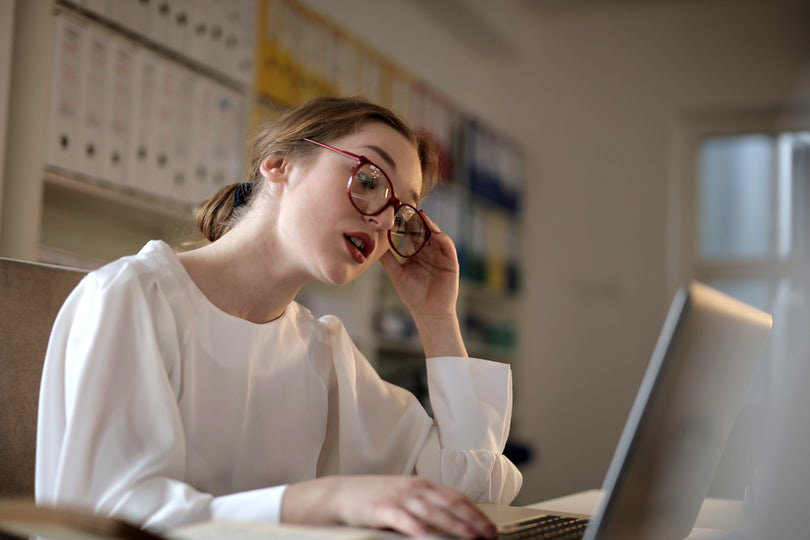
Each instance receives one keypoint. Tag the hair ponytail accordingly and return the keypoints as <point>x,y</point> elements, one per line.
<point>216,217</point>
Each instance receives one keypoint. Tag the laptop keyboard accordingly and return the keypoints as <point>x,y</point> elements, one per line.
<point>548,528</point>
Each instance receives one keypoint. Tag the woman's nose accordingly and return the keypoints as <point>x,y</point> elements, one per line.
<point>384,220</point>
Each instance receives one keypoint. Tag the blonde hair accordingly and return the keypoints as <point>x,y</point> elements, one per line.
<point>322,119</point>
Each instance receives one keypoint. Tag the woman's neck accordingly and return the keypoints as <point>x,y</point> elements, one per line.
<point>240,275</point>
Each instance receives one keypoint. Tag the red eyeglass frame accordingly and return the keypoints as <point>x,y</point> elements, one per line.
<point>392,199</point>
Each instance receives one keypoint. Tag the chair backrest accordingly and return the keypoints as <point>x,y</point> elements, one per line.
<point>30,297</point>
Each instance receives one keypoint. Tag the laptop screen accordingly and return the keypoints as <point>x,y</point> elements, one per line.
<point>682,416</point>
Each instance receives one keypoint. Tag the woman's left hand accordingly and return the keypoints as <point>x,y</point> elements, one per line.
<point>428,282</point>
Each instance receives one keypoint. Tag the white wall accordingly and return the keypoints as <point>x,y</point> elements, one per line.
<point>599,95</point>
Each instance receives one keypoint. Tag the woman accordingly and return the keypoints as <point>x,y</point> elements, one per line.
<point>190,387</point>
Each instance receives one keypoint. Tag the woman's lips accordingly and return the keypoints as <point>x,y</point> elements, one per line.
<point>357,253</point>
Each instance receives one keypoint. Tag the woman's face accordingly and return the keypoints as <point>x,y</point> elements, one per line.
<point>317,224</point>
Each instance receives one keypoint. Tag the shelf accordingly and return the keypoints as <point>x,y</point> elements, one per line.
<point>126,201</point>
<point>95,220</point>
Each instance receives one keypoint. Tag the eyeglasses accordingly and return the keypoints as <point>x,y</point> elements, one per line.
<point>371,192</point>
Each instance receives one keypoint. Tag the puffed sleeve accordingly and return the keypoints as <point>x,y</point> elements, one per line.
<point>110,437</point>
<point>381,428</point>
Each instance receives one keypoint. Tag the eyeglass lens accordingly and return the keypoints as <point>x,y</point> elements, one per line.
<point>408,233</point>
<point>370,191</point>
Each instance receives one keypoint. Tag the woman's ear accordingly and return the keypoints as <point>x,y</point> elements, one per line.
<point>274,169</point>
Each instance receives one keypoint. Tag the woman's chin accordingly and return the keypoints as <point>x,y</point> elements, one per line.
<point>342,275</point>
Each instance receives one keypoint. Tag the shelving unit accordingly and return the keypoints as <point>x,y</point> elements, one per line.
<point>66,215</point>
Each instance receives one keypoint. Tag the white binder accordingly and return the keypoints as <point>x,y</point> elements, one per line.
<point>159,182</point>
<point>141,146</point>
<point>202,126</point>
<point>215,57</point>
<point>235,137</point>
<point>229,61</point>
<point>246,48</point>
<point>92,139</point>
<point>220,138</point>
<point>120,97</point>
<point>181,153</point>
<point>66,93</point>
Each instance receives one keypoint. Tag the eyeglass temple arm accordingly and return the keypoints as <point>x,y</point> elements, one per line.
<point>333,149</point>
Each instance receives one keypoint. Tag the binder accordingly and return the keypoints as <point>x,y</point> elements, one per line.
<point>120,96</point>
<point>215,55</point>
<point>203,102</point>
<point>180,154</point>
<point>348,67</point>
<point>226,150</point>
<point>231,39</point>
<point>236,138</point>
<point>219,138</point>
<point>244,28</point>
<point>401,97</point>
<point>92,151</point>
<point>160,166</point>
<point>66,93</point>
<point>141,145</point>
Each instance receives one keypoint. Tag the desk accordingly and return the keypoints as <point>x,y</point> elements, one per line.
<point>715,519</point>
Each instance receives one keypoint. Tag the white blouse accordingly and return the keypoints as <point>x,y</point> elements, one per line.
<point>159,408</point>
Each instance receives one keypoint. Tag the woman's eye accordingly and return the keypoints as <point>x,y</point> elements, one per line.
<point>367,181</point>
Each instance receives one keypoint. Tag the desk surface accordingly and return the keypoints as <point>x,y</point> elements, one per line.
<point>715,519</point>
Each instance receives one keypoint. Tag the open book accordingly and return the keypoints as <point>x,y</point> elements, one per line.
<point>20,518</point>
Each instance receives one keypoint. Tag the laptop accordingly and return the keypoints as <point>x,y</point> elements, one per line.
<point>677,429</point>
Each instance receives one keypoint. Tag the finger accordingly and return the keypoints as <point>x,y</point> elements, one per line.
<point>441,246</point>
<point>438,517</point>
<point>434,229</point>
<point>400,520</point>
<point>462,507</point>
<point>446,244</point>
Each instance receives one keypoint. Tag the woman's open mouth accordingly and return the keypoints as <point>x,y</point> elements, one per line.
<point>360,245</point>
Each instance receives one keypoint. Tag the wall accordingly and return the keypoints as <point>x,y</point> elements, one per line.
<point>613,90</point>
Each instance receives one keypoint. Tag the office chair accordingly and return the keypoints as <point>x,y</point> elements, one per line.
<point>30,297</point>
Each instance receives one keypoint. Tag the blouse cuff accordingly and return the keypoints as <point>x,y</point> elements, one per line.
<point>263,505</point>
<point>472,402</point>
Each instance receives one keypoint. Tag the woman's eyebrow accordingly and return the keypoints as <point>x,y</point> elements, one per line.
<point>388,159</point>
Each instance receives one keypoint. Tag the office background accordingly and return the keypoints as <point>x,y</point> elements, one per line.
<point>609,103</point>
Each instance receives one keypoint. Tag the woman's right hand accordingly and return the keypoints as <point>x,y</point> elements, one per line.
<point>408,504</point>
